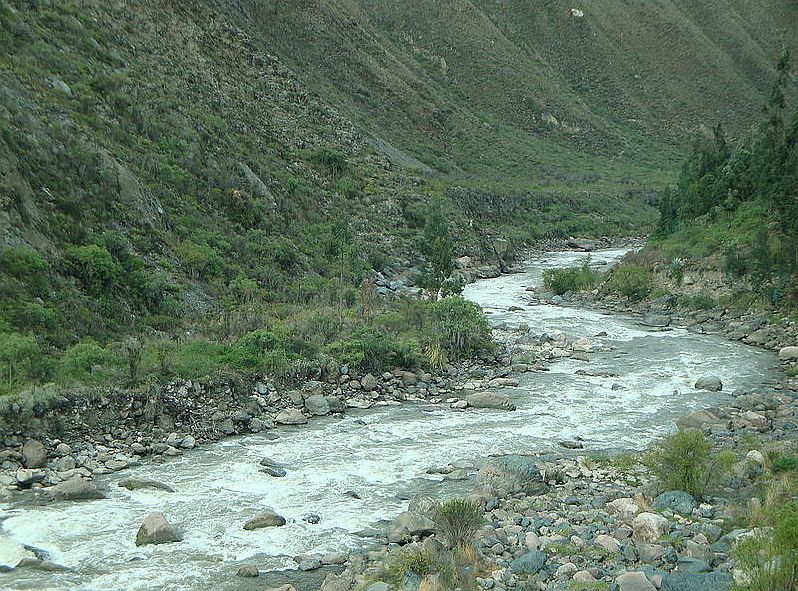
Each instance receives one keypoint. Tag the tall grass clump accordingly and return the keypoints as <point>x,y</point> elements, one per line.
<point>457,522</point>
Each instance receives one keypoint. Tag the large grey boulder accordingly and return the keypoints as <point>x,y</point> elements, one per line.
<point>788,353</point>
<point>157,530</point>
<point>582,244</point>
<point>34,454</point>
<point>265,519</point>
<point>508,474</point>
<point>490,400</point>
<point>656,320</point>
<point>290,416</point>
<point>709,383</point>
<point>317,405</point>
<point>529,563</point>
<point>75,489</point>
<point>677,501</point>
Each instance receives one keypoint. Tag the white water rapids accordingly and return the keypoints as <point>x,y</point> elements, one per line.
<point>380,453</point>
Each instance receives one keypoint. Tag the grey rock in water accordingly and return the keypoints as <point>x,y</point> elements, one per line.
<point>490,400</point>
<point>656,320</point>
<point>157,530</point>
<point>248,571</point>
<point>265,519</point>
<point>709,383</point>
<point>509,474</point>
<point>675,500</point>
<point>134,483</point>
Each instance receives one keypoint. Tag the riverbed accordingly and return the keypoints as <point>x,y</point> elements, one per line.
<point>381,454</point>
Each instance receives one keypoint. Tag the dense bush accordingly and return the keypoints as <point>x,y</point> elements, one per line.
<point>769,557</point>
<point>563,280</point>
<point>632,281</point>
<point>372,350</point>
<point>685,461</point>
<point>17,355</point>
<point>459,327</point>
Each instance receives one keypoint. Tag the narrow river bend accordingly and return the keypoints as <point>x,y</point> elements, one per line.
<point>381,453</point>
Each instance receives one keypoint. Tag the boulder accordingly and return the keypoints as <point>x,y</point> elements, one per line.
<point>157,530</point>
<point>625,509</point>
<point>249,571</point>
<point>409,524</point>
<point>608,543</point>
<point>649,527</point>
<point>34,454</point>
<point>755,420</point>
<point>715,581</point>
<point>317,405</point>
<point>75,489</point>
<point>692,566</point>
<point>677,501</point>
<point>290,416</point>
<point>13,553</point>
<point>788,354</point>
<point>709,383</point>
<point>134,483</point>
<point>368,382</point>
<point>490,400</point>
<point>634,581</point>
<point>509,474</point>
<point>582,344</point>
<point>656,320</point>
<point>697,419</point>
<point>582,244</point>
<point>529,563</point>
<point>265,519</point>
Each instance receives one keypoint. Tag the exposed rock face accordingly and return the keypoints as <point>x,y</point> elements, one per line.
<point>34,454</point>
<point>265,519</point>
<point>504,475</point>
<point>490,400</point>
<point>157,530</point>
<point>709,383</point>
<point>75,489</point>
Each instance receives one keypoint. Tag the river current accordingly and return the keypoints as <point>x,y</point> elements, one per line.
<point>382,454</point>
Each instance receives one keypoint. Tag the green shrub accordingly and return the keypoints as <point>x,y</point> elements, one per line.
<point>631,281</point>
<point>94,266</point>
<point>699,301</point>
<point>685,461</point>
<point>563,280</point>
<point>372,350</point>
<point>457,521</point>
<point>87,362</point>
<point>17,354</point>
<point>770,557</point>
<point>460,327</point>
<point>784,463</point>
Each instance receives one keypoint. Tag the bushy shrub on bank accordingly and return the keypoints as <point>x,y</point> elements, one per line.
<point>563,280</point>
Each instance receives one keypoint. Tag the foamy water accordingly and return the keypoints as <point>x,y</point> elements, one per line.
<point>381,454</point>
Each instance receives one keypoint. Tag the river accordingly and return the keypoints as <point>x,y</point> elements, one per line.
<point>382,454</point>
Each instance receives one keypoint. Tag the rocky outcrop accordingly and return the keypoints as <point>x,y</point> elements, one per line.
<point>491,400</point>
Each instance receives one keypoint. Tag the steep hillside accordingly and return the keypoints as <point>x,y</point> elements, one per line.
<point>203,170</point>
